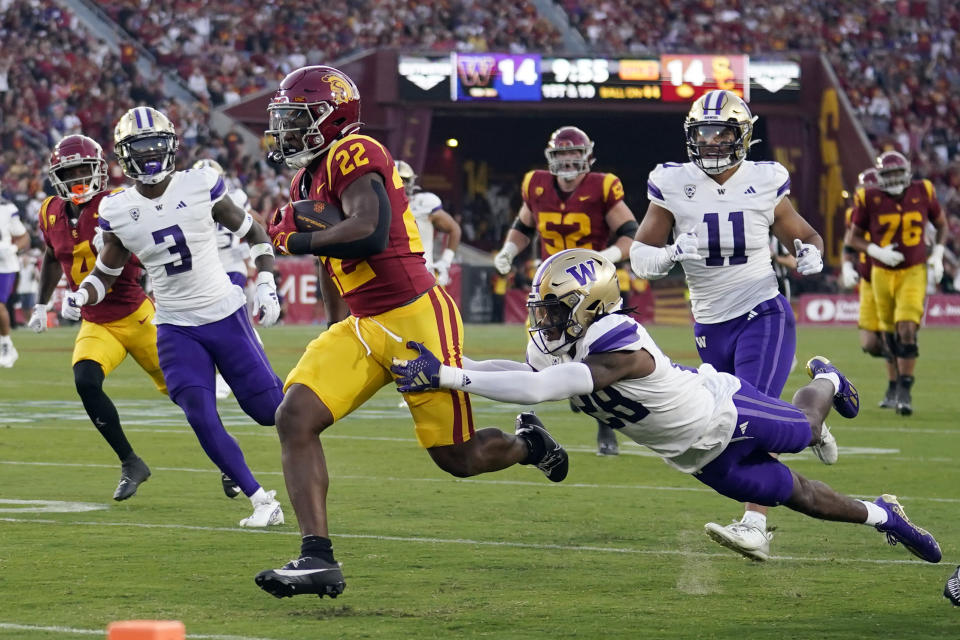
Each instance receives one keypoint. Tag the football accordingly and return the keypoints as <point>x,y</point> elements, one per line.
<point>314,215</point>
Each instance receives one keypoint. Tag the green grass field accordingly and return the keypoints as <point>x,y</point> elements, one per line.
<point>616,551</point>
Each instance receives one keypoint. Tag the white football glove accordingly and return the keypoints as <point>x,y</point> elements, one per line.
<point>38,319</point>
<point>266,304</point>
<point>442,267</point>
<point>71,303</point>
<point>888,255</point>
<point>97,241</point>
<point>935,261</point>
<point>849,276</point>
<point>686,248</point>
<point>503,261</point>
<point>809,260</point>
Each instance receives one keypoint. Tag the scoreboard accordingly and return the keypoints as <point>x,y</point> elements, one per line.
<point>502,77</point>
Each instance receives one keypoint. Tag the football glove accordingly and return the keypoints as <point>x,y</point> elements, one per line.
<point>266,304</point>
<point>38,319</point>
<point>71,303</point>
<point>849,276</point>
<point>809,260</point>
<point>280,227</point>
<point>888,255</point>
<point>503,261</point>
<point>442,267</point>
<point>935,261</point>
<point>686,248</point>
<point>420,374</point>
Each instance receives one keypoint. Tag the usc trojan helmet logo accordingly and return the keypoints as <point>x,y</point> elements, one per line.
<point>341,90</point>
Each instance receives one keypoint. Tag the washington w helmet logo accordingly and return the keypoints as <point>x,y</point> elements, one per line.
<point>583,272</point>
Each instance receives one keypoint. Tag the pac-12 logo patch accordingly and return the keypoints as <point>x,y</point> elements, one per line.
<point>689,190</point>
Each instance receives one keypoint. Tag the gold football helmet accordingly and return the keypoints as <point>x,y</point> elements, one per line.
<point>146,145</point>
<point>719,130</point>
<point>211,164</point>
<point>571,289</point>
<point>408,176</point>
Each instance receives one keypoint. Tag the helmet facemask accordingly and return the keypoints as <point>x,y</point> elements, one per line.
<point>716,146</point>
<point>407,176</point>
<point>295,132</point>
<point>568,161</point>
<point>148,158</point>
<point>894,180</point>
<point>80,180</point>
<point>552,326</point>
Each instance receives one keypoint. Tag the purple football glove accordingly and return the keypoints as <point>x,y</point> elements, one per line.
<point>420,374</point>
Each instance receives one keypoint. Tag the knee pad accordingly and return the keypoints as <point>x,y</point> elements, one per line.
<point>907,351</point>
<point>88,377</point>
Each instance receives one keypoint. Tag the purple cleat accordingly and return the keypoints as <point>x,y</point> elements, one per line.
<point>899,529</point>
<point>846,401</point>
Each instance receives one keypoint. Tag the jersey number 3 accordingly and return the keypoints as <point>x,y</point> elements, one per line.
<point>179,248</point>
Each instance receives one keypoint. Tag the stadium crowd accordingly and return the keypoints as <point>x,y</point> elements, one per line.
<point>897,61</point>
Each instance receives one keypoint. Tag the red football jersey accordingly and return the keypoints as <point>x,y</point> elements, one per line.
<point>388,279</point>
<point>901,220</point>
<point>578,220</point>
<point>73,248</point>
<point>863,261</point>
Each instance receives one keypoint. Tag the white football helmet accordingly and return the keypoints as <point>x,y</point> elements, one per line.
<point>146,145</point>
<point>719,131</point>
<point>570,290</point>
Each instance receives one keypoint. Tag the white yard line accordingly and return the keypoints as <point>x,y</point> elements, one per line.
<point>470,542</point>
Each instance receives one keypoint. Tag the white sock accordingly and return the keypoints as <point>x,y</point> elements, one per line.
<point>755,519</point>
<point>259,497</point>
<point>832,377</point>
<point>875,514</point>
<point>5,340</point>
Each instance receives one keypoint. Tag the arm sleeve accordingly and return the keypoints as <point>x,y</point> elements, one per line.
<point>649,262</point>
<point>557,382</point>
<point>494,365</point>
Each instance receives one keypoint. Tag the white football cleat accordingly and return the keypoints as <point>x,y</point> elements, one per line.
<point>746,539</point>
<point>265,513</point>
<point>8,355</point>
<point>827,449</point>
<point>223,389</point>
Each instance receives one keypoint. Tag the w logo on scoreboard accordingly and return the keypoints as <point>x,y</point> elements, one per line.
<point>475,71</point>
<point>584,272</point>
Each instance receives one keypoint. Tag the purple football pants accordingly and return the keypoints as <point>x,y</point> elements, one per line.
<point>758,347</point>
<point>746,471</point>
<point>188,356</point>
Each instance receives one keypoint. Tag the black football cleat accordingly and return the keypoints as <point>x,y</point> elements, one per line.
<point>554,462</point>
<point>303,576</point>
<point>904,401</point>
<point>889,399</point>
<point>132,475</point>
<point>230,488</point>
<point>607,441</point>
<point>951,590</point>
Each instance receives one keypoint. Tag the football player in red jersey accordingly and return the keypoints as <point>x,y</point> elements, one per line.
<point>572,207</point>
<point>122,323</point>
<point>374,259</point>
<point>856,269</point>
<point>895,215</point>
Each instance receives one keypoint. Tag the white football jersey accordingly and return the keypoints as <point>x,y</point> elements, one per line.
<point>174,236</point>
<point>686,417</point>
<point>233,252</point>
<point>10,227</point>
<point>422,205</point>
<point>732,222</point>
